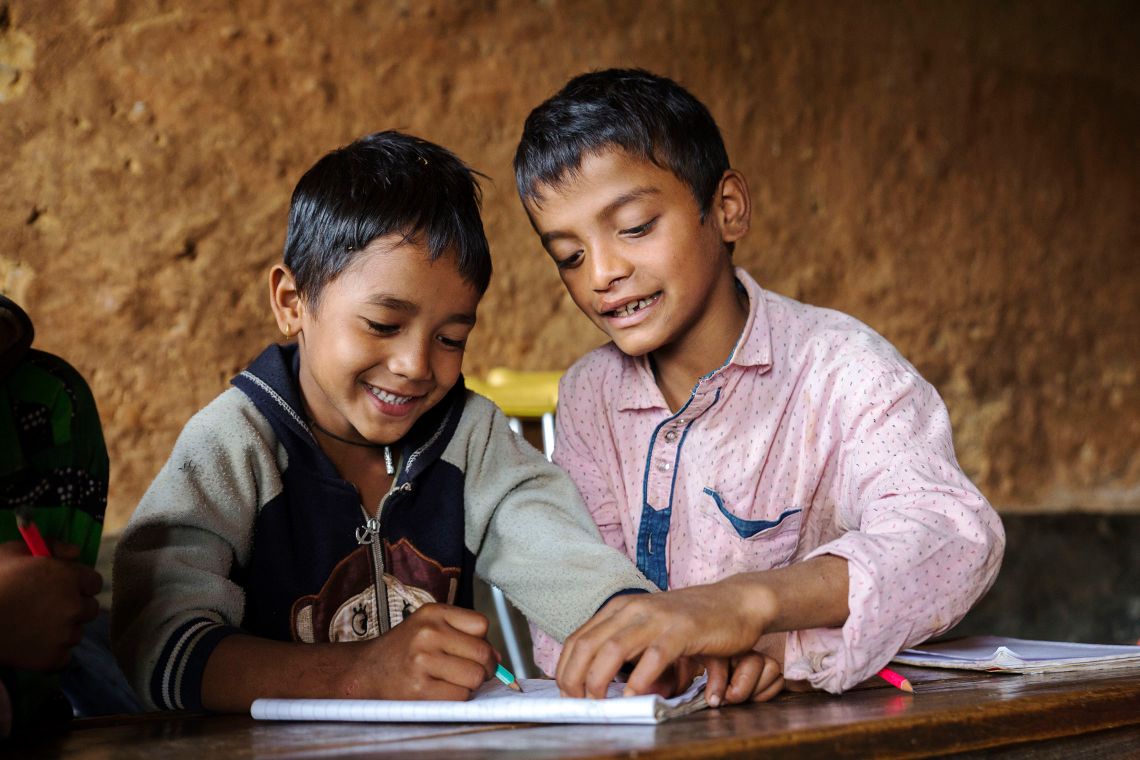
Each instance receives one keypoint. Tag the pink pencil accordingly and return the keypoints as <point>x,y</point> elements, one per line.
<point>896,680</point>
<point>31,534</point>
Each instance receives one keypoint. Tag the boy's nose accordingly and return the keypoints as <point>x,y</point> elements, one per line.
<point>412,361</point>
<point>607,267</point>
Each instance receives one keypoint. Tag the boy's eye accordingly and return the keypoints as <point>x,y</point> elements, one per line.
<point>381,329</point>
<point>570,261</point>
<point>640,229</point>
<point>456,343</point>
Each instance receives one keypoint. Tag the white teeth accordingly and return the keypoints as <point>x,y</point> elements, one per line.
<point>634,306</point>
<point>389,398</point>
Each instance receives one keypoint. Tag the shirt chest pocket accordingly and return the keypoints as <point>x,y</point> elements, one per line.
<point>757,544</point>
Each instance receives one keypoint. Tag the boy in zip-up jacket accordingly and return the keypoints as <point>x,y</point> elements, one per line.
<point>317,528</point>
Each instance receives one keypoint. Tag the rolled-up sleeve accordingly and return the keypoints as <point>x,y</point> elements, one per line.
<point>921,542</point>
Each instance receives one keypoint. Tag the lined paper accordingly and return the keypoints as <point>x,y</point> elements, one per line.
<point>492,703</point>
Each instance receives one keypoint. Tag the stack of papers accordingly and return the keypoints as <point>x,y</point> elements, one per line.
<point>998,654</point>
<point>493,703</point>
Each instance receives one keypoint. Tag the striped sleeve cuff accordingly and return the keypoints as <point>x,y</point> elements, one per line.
<point>176,683</point>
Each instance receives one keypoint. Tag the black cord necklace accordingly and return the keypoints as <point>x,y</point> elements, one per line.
<point>388,465</point>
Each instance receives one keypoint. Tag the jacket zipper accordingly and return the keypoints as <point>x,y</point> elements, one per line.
<point>371,534</point>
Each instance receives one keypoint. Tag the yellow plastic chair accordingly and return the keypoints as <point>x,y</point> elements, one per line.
<point>521,395</point>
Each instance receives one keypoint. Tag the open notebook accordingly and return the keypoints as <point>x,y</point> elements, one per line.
<point>493,703</point>
<point>999,654</point>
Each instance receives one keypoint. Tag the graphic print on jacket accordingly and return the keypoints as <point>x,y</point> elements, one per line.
<point>315,554</point>
<point>345,609</point>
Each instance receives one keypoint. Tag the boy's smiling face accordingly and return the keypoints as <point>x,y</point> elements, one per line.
<point>631,248</point>
<point>385,342</point>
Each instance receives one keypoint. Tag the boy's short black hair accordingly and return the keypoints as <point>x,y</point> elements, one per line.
<point>644,114</point>
<point>384,183</point>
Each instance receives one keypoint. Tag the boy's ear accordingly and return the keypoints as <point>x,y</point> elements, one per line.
<point>733,206</point>
<point>284,298</point>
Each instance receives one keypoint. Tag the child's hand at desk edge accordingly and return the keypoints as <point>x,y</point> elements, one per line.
<point>44,602</point>
<point>720,624</point>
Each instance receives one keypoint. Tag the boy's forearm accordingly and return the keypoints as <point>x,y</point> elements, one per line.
<point>439,652</point>
<point>243,668</point>
<point>810,594</point>
<point>723,619</point>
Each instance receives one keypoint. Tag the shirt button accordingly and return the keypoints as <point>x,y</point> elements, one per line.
<point>670,435</point>
<point>663,466</point>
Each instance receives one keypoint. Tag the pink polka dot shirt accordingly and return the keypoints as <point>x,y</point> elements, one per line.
<point>815,437</point>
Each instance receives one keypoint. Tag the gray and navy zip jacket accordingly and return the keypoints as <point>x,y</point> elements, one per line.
<point>248,528</point>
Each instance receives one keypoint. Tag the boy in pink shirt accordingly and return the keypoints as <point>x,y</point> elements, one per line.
<point>779,468</point>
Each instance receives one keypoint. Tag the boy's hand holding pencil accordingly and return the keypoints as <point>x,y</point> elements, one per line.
<point>437,652</point>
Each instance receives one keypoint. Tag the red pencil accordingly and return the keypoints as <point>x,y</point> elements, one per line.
<point>896,680</point>
<point>31,534</point>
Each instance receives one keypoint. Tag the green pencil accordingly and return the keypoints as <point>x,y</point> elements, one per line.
<point>506,677</point>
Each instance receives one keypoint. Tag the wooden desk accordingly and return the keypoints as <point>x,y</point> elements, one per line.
<point>1081,715</point>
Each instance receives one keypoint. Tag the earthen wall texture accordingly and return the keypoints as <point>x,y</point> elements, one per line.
<point>962,176</point>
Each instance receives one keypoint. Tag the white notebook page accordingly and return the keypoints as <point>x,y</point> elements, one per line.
<point>492,703</point>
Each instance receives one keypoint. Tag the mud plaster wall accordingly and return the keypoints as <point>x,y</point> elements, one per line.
<point>960,175</point>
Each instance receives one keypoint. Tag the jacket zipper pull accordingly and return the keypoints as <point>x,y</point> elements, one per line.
<point>369,535</point>
<point>365,533</point>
